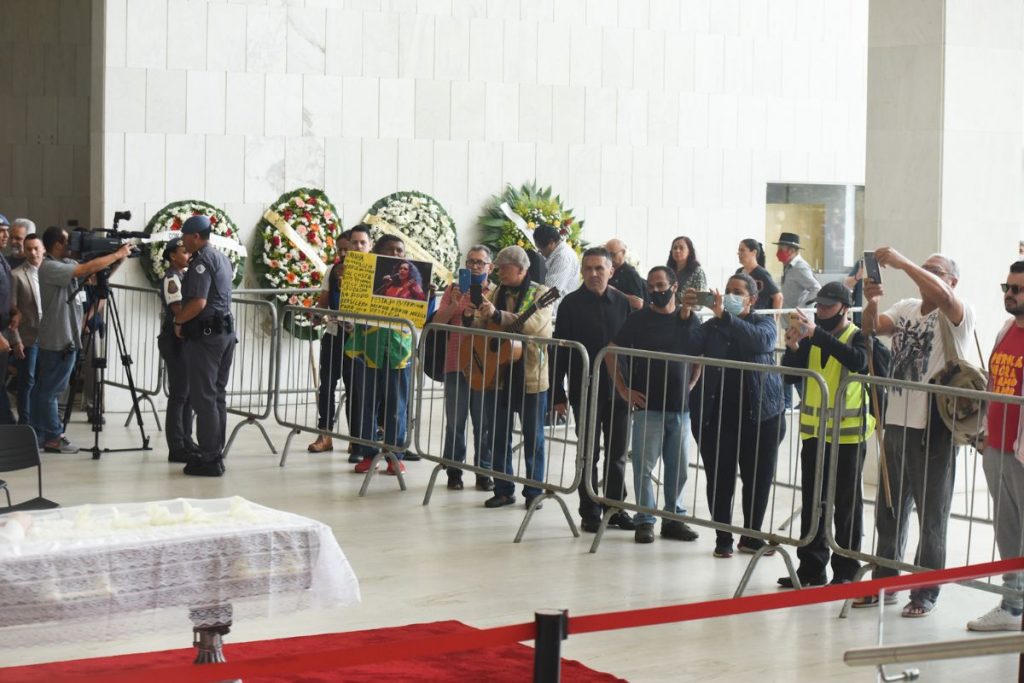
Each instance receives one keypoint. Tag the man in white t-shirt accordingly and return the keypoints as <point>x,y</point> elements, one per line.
<point>920,457</point>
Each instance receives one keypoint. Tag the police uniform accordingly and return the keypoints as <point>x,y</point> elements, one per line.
<point>178,421</point>
<point>209,348</point>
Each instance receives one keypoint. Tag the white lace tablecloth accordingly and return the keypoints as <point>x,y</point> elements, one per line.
<point>101,571</point>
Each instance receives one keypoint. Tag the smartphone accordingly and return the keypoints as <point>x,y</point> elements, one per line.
<point>705,299</point>
<point>465,278</point>
<point>871,269</point>
<point>476,294</point>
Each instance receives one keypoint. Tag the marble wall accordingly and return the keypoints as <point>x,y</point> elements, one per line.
<point>44,110</point>
<point>651,117</point>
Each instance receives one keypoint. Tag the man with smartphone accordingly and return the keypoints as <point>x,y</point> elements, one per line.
<point>920,457</point>
<point>460,401</point>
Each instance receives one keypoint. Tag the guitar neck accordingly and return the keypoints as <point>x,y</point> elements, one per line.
<point>521,321</point>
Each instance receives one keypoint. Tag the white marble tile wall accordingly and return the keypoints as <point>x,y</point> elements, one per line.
<point>650,117</point>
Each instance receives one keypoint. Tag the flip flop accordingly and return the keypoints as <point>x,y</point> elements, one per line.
<point>872,600</point>
<point>917,610</point>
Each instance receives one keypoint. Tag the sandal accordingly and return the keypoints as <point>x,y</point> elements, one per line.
<point>917,609</point>
<point>872,600</point>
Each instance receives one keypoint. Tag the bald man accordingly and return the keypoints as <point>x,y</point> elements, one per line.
<point>625,278</point>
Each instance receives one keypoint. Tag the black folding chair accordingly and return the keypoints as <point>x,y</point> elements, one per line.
<point>20,451</point>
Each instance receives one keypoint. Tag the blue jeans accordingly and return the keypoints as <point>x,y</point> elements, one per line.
<point>459,403</point>
<point>53,370</point>
<point>658,434</point>
<point>26,380</point>
<point>389,389</point>
<point>531,409</point>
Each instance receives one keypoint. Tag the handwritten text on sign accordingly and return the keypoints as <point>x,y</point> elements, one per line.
<point>381,285</point>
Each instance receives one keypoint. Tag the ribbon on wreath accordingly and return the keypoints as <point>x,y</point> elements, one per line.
<point>412,247</point>
<point>278,221</point>
<point>216,240</point>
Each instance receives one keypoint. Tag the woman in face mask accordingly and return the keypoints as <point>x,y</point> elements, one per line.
<point>736,415</point>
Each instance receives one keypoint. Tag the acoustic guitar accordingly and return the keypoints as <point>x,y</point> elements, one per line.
<point>482,358</point>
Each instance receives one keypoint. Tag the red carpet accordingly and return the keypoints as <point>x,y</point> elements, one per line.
<point>511,663</point>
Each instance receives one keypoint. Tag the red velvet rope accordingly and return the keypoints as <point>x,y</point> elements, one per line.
<point>273,665</point>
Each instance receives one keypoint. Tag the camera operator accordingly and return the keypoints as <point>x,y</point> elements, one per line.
<point>59,332</point>
<point>206,325</point>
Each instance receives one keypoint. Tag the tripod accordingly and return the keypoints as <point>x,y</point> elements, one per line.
<point>99,365</point>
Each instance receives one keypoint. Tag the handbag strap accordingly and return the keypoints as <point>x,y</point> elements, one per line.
<point>948,345</point>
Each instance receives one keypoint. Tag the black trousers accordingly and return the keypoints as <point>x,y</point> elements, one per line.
<point>751,447</point>
<point>178,419</point>
<point>334,365</point>
<point>849,509</point>
<point>613,425</point>
<point>208,360</point>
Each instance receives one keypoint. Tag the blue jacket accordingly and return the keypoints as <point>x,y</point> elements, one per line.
<point>750,340</point>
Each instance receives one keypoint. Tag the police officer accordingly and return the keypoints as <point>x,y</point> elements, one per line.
<point>206,325</point>
<point>179,410</point>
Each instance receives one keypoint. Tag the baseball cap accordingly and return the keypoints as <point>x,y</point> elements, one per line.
<point>833,293</point>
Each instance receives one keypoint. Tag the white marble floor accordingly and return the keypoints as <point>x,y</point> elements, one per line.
<point>455,560</point>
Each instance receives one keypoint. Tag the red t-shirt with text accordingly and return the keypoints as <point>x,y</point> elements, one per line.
<point>1006,368</point>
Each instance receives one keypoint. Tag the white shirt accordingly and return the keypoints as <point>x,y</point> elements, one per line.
<point>563,271</point>
<point>33,272</point>
<point>917,354</point>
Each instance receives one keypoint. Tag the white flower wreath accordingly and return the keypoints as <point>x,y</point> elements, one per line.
<point>419,217</point>
<point>167,222</point>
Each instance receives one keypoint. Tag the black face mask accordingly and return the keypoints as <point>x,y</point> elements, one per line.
<point>661,299</point>
<point>829,324</point>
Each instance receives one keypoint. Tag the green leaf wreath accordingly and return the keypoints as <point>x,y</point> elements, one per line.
<point>536,206</point>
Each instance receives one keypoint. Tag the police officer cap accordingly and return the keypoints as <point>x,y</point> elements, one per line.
<point>195,225</point>
<point>172,245</point>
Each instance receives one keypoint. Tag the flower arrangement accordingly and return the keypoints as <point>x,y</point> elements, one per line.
<point>421,218</point>
<point>296,242</point>
<point>171,218</point>
<point>536,206</point>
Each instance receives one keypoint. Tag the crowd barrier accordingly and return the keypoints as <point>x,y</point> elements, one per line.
<point>902,515</point>
<point>318,383</point>
<point>251,384</point>
<point>659,447</point>
<point>443,422</point>
<point>139,312</point>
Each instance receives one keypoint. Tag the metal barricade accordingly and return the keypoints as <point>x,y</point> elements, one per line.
<point>309,397</point>
<point>546,462</point>
<point>727,440</point>
<point>139,312</point>
<point>917,473</point>
<point>251,384</point>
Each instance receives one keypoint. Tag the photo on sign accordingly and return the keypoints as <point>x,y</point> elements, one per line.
<point>399,278</point>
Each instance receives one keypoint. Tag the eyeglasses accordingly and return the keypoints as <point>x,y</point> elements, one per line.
<point>470,262</point>
<point>1012,289</point>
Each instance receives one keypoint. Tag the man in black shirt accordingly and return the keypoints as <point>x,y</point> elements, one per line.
<point>591,316</point>
<point>657,392</point>
<point>625,278</point>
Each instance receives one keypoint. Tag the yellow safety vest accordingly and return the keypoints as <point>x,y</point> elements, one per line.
<point>856,422</point>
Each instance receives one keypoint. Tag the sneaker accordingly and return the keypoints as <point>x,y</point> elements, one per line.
<point>355,458</point>
<point>364,465</point>
<point>644,533</point>
<point>723,550</point>
<point>204,468</point>
<point>752,545</point>
<point>996,619</point>
<point>529,501</point>
<point>61,445</point>
<point>321,445</point>
<point>455,483</point>
<point>590,525</point>
<point>484,483</point>
<point>678,531</point>
<point>622,520</point>
<point>391,469</point>
<point>805,581</point>
<point>499,501</point>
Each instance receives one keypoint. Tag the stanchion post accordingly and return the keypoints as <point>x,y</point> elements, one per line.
<point>552,629</point>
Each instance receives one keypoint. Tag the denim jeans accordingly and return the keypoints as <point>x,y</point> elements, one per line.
<point>531,409</point>
<point>658,434</point>
<point>26,380</point>
<point>1005,476</point>
<point>459,403</point>
<point>53,370</point>
<point>386,388</point>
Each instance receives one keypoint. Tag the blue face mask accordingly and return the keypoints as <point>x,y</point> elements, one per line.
<point>478,279</point>
<point>733,303</point>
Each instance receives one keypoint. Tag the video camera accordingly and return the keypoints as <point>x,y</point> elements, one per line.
<point>89,244</point>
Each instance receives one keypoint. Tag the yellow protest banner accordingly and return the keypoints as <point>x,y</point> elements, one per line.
<point>386,285</point>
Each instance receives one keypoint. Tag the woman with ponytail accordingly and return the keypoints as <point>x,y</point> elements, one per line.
<point>751,256</point>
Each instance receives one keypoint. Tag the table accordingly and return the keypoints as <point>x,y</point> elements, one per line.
<point>99,571</point>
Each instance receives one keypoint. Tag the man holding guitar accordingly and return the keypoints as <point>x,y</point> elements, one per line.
<point>520,381</point>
